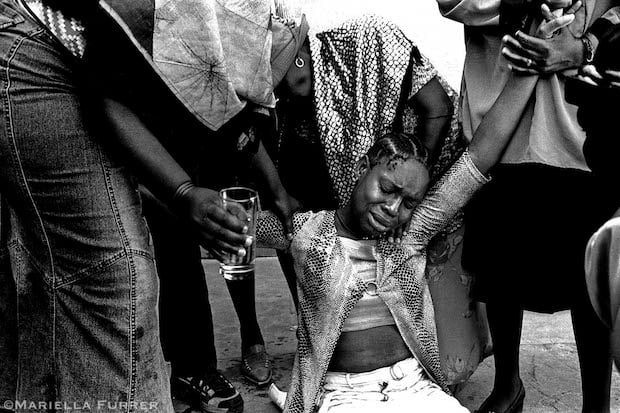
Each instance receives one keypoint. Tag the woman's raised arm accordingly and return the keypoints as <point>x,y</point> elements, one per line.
<point>499,124</point>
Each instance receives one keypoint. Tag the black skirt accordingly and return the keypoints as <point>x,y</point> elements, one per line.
<point>526,233</point>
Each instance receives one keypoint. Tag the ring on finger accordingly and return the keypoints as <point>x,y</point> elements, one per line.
<point>529,62</point>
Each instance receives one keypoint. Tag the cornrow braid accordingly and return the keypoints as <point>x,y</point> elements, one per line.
<point>395,146</point>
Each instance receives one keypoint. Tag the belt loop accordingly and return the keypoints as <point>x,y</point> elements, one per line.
<point>347,377</point>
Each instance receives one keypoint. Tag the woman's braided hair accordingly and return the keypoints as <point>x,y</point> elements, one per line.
<point>395,146</point>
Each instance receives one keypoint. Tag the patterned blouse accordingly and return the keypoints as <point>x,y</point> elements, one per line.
<point>329,288</point>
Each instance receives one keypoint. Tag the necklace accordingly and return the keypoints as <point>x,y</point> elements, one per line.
<point>349,230</point>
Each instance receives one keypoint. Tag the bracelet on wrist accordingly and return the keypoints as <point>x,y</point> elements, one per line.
<point>181,191</point>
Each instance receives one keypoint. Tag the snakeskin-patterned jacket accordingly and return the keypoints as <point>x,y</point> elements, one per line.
<point>329,289</point>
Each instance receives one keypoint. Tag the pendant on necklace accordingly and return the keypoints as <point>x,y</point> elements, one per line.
<point>371,288</point>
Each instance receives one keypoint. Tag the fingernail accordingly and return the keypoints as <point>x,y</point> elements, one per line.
<point>518,33</point>
<point>505,38</point>
<point>391,239</point>
<point>248,242</point>
<point>289,236</point>
<point>241,253</point>
<point>504,50</point>
<point>245,229</point>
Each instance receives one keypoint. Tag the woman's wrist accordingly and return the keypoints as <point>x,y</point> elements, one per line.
<point>180,195</point>
<point>279,194</point>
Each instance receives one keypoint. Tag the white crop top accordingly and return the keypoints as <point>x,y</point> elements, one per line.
<point>370,311</point>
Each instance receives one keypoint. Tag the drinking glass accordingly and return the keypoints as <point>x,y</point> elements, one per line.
<point>235,200</point>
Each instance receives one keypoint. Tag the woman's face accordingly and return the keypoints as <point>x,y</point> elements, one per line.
<point>386,194</point>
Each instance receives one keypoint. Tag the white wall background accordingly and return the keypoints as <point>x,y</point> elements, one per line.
<point>440,39</point>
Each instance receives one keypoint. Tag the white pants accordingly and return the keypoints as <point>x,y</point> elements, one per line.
<point>403,387</point>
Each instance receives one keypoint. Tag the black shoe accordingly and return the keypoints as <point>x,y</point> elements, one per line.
<point>516,406</point>
<point>256,366</point>
<point>212,393</point>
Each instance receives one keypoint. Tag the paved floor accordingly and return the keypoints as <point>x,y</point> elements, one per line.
<point>549,364</point>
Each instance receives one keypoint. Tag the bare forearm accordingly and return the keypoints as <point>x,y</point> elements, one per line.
<point>216,228</point>
<point>500,122</point>
<point>432,132</point>
<point>150,160</point>
<point>434,110</point>
<point>267,172</point>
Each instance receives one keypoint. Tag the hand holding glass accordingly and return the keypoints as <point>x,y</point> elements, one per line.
<point>242,202</point>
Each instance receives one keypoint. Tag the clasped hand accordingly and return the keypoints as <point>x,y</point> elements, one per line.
<point>552,49</point>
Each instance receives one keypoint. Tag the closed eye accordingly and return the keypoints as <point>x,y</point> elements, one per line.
<point>411,203</point>
<point>386,189</point>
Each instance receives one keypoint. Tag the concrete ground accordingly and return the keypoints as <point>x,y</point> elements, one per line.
<point>550,369</point>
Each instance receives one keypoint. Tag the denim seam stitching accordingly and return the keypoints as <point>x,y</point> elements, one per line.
<point>141,253</point>
<point>17,320</point>
<point>31,259</point>
<point>83,272</point>
<point>16,156</point>
<point>101,265</point>
<point>93,269</point>
<point>9,119</point>
<point>132,276</point>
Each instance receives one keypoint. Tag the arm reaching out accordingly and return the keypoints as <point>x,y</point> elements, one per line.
<point>217,228</point>
<point>499,124</point>
<point>283,204</point>
<point>270,232</point>
<point>434,110</point>
<point>466,176</point>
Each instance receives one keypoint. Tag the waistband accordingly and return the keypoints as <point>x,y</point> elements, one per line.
<point>408,369</point>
